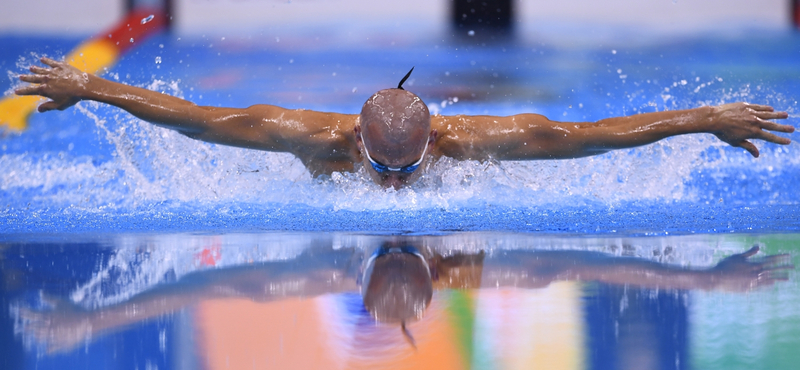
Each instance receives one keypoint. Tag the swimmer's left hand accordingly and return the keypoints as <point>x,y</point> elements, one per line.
<point>742,273</point>
<point>735,123</point>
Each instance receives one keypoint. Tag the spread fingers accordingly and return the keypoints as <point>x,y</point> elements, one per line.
<point>37,79</point>
<point>28,90</point>
<point>748,146</point>
<point>50,62</point>
<point>39,70</point>
<point>771,115</point>
<point>48,106</point>
<point>772,126</point>
<point>750,252</point>
<point>774,138</point>
<point>759,107</point>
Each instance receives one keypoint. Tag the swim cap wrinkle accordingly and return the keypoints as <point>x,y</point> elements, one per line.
<point>395,123</point>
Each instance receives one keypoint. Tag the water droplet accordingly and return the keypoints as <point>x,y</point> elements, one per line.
<point>471,33</point>
<point>147,19</point>
<point>131,40</point>
<point>158,60</point>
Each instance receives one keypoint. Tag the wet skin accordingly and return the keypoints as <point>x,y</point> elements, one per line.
<point>329,142</point>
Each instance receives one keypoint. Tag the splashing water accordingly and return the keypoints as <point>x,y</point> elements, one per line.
<point>152,165</point>
<point>154,168</point>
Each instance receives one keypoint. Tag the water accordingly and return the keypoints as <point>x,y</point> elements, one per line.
<point>98,207</point>
<point>94,168</point>
<point>215,301</point>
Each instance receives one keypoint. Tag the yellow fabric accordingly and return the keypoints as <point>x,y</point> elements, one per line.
<point>92,56</point>
<point>14,111</point>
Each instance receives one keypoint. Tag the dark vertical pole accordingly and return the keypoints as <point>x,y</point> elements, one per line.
<point>485,19</point>
<point>795,13</point>
<point>168,7</point>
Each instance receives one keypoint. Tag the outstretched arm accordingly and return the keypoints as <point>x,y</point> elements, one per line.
<point>265,127</point>
<point>533,136</point>
<point>740,272</point>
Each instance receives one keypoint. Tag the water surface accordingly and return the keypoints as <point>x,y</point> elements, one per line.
<point>294,301</point>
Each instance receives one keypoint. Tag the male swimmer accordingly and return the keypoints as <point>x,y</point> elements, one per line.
<point>395,133</point>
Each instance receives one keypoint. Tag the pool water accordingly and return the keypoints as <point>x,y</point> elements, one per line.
<point>98,207</point>
<point>64,314</point>
<point>94,168</point>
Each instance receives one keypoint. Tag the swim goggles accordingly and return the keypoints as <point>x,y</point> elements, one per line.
<point>380,168</point>
<point>382,251</point>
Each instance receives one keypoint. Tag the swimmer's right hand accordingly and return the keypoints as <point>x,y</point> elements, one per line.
<point>63,84</point>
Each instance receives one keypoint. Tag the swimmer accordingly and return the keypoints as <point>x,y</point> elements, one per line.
<point>395,135</point>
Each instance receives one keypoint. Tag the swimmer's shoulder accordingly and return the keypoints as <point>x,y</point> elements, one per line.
<point>457,137</point>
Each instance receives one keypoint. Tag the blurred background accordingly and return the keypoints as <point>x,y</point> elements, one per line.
<point>356,20</point>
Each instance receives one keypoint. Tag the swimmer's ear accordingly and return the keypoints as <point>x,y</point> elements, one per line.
<point>400,85</point>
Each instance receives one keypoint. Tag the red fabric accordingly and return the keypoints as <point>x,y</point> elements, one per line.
<point>131,27</point>
<point>797,13</point>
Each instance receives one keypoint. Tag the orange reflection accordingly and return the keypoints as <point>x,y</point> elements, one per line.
<point>299,334</point>
<point>242,334</point>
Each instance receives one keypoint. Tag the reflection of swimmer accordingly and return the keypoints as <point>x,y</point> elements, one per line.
<point>394,132</point>
<point>397,283</point>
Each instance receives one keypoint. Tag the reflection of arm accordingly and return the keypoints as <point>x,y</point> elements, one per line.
<point>306,276</point>
<point>538,268</point>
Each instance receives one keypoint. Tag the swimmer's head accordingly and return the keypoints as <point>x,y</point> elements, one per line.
<point>395,132</point>
<point>397,286</point>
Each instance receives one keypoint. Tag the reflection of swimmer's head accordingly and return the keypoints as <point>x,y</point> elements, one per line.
<point>397,285</point>
<point>395,127</point>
